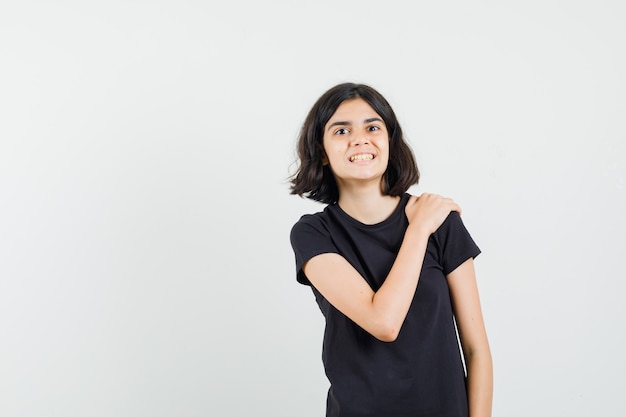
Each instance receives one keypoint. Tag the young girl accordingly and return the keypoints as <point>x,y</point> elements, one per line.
<point>391,272</point>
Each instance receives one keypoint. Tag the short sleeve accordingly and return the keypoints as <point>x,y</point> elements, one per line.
<point>309,237</point>
<point>454,243</point>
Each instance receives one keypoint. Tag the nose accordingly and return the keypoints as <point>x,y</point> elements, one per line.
<point>360,137</point>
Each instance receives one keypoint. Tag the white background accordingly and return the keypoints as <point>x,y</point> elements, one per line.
<point>145,265</point>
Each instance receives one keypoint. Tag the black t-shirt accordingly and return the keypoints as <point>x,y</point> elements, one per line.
<point>419,374</point>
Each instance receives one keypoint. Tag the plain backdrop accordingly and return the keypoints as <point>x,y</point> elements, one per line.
<point>145,264</point>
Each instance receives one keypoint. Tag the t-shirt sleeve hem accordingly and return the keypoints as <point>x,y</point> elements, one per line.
<point>309,237</point>
<point>301,276</point>
<point>459,261</point>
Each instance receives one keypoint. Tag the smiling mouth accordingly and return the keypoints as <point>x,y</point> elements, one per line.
<point>361,157</point>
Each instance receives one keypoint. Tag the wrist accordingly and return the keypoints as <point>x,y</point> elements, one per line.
<point>418,231</point>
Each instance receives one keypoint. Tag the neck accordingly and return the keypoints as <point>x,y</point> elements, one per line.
<point>367,204</point>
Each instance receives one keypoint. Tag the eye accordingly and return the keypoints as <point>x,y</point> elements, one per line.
<point>373,128</point>
<point>342,131</point>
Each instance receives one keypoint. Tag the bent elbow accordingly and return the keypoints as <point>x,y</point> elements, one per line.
<point>387,333</point>
<point>387,338</point>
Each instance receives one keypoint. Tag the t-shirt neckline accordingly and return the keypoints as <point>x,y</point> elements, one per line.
<point>398,211</point>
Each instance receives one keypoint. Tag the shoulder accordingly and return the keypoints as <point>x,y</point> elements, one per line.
<point>451,222</point>
<point>454,243</point>
<point>310,236</point>
<point>452,226</point>
<point>314,219</point>
<point>316,223</point>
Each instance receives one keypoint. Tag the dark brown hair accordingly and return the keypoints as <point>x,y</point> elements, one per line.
<point>315,180</point>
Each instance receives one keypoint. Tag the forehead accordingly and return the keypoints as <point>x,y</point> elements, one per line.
<point>355,109</point>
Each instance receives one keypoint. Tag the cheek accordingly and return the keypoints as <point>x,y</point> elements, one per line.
<point>333,149</point>
<point>386,154</point>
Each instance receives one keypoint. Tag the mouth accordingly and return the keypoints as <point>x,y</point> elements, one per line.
<point>361,157</point>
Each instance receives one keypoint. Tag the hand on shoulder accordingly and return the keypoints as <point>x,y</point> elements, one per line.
<point>426,212</point>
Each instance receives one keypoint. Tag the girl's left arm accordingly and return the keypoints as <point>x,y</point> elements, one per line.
<point>471,326</point>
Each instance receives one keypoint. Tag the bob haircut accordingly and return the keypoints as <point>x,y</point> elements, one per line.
<point>315,180</point>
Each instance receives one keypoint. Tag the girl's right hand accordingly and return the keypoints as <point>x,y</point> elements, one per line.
<point>427,212</point>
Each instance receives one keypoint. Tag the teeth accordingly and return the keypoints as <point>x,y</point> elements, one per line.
<point>361,157</point>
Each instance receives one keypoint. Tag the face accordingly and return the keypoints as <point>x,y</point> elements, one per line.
<point>356,143</point>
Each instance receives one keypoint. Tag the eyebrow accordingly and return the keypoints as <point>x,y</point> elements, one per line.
<point>366,121</point>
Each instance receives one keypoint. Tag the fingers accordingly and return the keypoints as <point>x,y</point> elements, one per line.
<point>448,202</point>
<point>428,211</point>
<point>436,199</point>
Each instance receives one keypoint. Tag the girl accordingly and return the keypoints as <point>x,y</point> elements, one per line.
<point>392,273</point>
